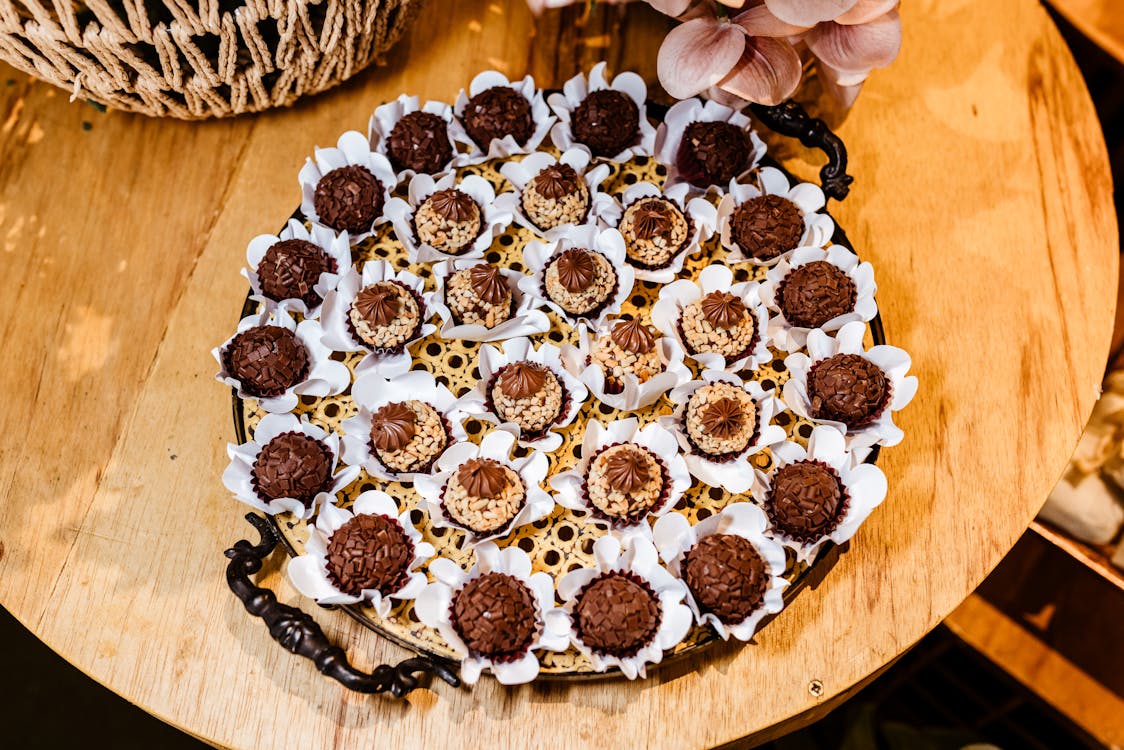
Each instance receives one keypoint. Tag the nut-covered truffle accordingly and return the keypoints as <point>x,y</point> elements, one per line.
<point>719,323</point>
<point>847,388</point>
<point>369,552</point>
<point>580,281</point>
<point>496,616</point>
<point>349,198</point>
<point>483,495</point>
<point>266,360</point>
<point>528,394</point>
<point>294,465</point>
<point>721,420</point>
<point>726,576</point>
<point>291,268</point>
<point>617,614</point>
<point>766,226</point>
<point>630,348</point>
<point>450,220</point>
<point>806,500</point>
<point>479,296</point>
<point>420,142</point>
<point>654,231</point>
<point>555,196</point>
<point>713,153</point>
<point>497,112</point>
<point>408,436</point>
<point>625,482</point>
<point>814,293</point>
<point>607,122</point>
<point>385,315</point>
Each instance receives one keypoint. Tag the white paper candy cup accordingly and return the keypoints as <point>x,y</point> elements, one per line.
<point>507,146</point>
<point>675,537</point>
<point>337,247</point>
<point>325,376</point>
<point>637,557</point>
<point>603,207</point>
<point>309,572</point>
<point>669,136</point>
<point>700,213</point>
<point>434,604</point>
<point>526,321</point>
<point>574,92</point>
<point>386,117</point>
<point>352,149</point>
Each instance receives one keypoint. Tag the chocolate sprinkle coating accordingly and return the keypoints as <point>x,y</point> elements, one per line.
<point>806,500</point>
<point>847,388</point>
<point>496,617</point>
<point>713,153</point>
<point>814,293</point>
<point>607,122</point>
<point>291,268</point>
<point>766,226</point>
<point>349,198</point>
<point>617,614</point>
<point>294,465</point>
<point>726,575</point>
<point>266,360</point>
<point>420,141</point>
<point>497,112</point>
<point>369,552</point>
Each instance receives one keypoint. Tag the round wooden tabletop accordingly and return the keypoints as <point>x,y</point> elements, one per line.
<point>982,195</point>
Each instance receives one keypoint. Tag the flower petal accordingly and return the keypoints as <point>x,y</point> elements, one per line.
<point>852,49</point>
<point>809,12</point>
<point>768,72</point>
<point>698,54</point>
<point>865,11</point>
<point>759,21</point>
<point>670,7</point>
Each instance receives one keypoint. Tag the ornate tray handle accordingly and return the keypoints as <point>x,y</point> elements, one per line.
<point>300,634</point>
<point>789,118</point>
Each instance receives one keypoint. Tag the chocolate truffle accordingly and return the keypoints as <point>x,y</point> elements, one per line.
<point>495,113</point>
<point>292,465</point>
<point>617,614</point>
<point>479,296</point>
<point>720,421</point>
<point>814,293</point>
<point>719,323</point>
<point>483,495</point>
<point>449,220</point>
<point>713,153</point>
<point>369,552</point>
<point>625,482</point>
<point>266,360</point>
<point>580,281</point>
<point>630,348</point>
<point>291,268</point>
<point>806,500</point>
<point>847,388</point>
<point>528,394</point>
<point>767,226</point>
<point>726,576</point>
<point>420,142</point>
<point>654,231</point>
<point>408,436</point>
<point>607,122</point>
<point>349,198</point>
<point>385,315</point>
<point>555,196</point>
<point>496,616</point>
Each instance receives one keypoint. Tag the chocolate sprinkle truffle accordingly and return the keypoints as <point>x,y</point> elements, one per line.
<point>580,281</point>
<point>528,394</point>
<point>814,293</point>
<point>607,122</point>
<point>266,360</point>
<point>348,198</point>
<point>654,230</point>
<point>408,436</point>
<point>726,576</point>
<point>713,153</point>
<point>496,617</point>
<point>617,614</point>
<point>625,482</point>
<point>806,500</point>
<point>294,465</point>
<point>291,268</point>
<point>630,348</point>
<point>720,421</point>
<point>483,495</point>
<point>847,388</point>
<point>449,220</point>
<point>420,142</point>
<point>555,196</point>
<point>498,112</point>
<point>385,315</point>
<point>369,552</point>
<point>479,296</point>
<point>766,226</point>
<point>719,323</point>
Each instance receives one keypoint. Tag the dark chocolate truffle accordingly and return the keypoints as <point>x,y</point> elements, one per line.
<point>607,122</point>
<point>496,617</point>
<point>713,153</point>
<point>726,575</point>
<point>847,388</point>
<point>814,293</point>
<point>806,500</point>
<point>617,614</point>
<point>292,465</point>
<point>420,141</point>
<point>291,268</point>
<point>369,552</point>
<point>266,360</point>
<point>348,198</point>
<point>497,112</point>
<point>766,226</point>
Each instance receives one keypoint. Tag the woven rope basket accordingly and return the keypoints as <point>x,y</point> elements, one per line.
<point>198,58</point>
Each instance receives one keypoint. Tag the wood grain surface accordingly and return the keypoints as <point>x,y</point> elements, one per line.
<point>982,196</point>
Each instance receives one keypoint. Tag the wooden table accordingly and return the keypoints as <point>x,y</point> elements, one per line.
<point>1100,20</point>
<point>982,195</point>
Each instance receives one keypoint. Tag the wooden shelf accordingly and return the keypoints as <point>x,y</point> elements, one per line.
<point>1096,559</point>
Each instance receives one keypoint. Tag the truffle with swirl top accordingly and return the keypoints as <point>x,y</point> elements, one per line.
<point>529,395</point>
<point>479,295</point>
<point>449,220</point>
<point>556,195</point>
<point>551,193</point>
<point>630,348</point>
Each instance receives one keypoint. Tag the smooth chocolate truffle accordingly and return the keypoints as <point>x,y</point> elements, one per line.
<point>369,552</point>
<point>806,500</point>
<point>479,296</point>
<point>496,616</point>
<point>408,436</point>
<point>719,323</point>
<point>580,281</point>
<point>654,230</point>
<point>814,293</point>
<point>528,394</point>
<point>449,220</point>
<point>497,112</point>
<point>385,315</point>
<point>617,614</point>
<point>726,575</point>
<point>292,465</point>
<point>291,268</point>
<point>625,481</point>
<point>713,153</point>
<point>483,495</point>
<point>847,388</point>
<point>766,226</point>
<point>420,141</point>
<point>607,122</point>
<point>720,421</point>
<point>266,360</point>
<point>348,198</point>
<point>555,196</point>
